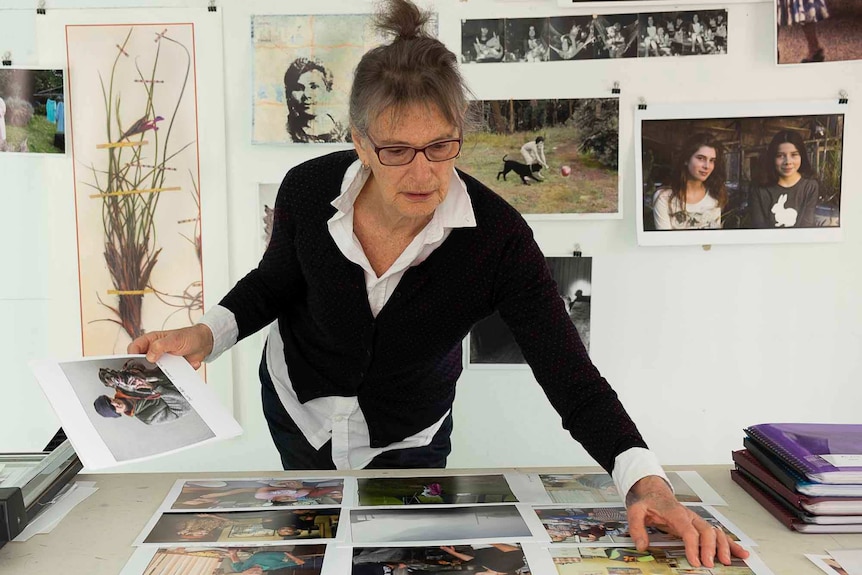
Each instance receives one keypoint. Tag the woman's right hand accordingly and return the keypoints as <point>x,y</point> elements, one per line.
<point>194,343</point>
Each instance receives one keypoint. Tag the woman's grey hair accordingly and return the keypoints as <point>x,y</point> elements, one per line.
<point>413,68</point>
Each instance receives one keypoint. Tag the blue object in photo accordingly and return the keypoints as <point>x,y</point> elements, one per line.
<point>61,118</point>
<point>51,110</point>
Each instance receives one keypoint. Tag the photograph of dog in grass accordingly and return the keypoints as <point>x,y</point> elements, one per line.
<point>548,157</point>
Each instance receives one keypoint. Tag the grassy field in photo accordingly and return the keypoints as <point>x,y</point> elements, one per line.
<point>590,188</point>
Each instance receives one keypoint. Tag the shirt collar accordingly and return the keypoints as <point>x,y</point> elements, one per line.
<point>456,211</point>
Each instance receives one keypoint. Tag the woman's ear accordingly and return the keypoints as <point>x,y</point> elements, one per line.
<point>359,146</point>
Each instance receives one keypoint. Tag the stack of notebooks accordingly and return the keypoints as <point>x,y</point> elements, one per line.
<point>808,475</point>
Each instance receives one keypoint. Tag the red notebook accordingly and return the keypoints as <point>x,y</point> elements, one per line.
<point>814,505</point>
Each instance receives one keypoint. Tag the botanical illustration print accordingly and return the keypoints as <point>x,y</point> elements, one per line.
<point>303,69</point>
<point>134,122</point>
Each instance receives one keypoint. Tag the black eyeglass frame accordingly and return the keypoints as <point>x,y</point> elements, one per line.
<point>377,150</point>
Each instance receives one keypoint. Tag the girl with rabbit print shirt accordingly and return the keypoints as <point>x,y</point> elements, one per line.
<point>788,196</point>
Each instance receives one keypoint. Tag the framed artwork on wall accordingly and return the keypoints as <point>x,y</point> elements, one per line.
<point>767,172</point>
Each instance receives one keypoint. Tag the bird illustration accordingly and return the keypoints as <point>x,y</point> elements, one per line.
<point>141,126</point>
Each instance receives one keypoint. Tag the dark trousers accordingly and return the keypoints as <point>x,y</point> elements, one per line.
<point>297,453</point>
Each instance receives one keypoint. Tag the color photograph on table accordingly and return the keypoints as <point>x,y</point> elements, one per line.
<point>213,494</point>
<point>271,559</point>
<point>608,525</point>
<point>491,343</point>
<point>119,409</point>
<point>739,173</point>
<point>440,524</point>
<point>816,31</point>
<point>32,111</point>
<point>630,561</point>
<point>455,489</point>
<point>497,558</point>
<point>578,488</point>
<point>268,526</point>
<point>550,159</point>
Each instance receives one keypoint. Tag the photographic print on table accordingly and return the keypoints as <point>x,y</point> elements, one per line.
<point>32,111</point>
<point>454,489</point>
<point>739,173</point>
<point>549,159</point>
<point>237,527</point>
<point>123,408</point>
<point>491,342</point>
<point>440,524</point>
<point>498,558</point>
<point>483,41</point>
<point>655,560</point>
<point>815,31</point>
<point>284,559</point>
<point>137,180</point>
<point>580,488</point>
<point>528,40</point>
<point>302,72</point>
<point>691,33</point>
<point>608,526</point>
<point>572,38</point>
<point>255,493</point>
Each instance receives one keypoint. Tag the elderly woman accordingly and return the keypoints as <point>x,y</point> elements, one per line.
<point>381,260</point>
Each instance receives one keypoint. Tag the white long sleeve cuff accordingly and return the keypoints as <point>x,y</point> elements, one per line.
<point>222,323</point>
<point>634,464</point>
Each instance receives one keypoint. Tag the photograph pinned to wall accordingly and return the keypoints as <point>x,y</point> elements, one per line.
<point>528,40</point>
<point>615,35</point>
<point>549,159</point>
<point>572,38</point>
<point>120,409</point>
<point>238,527</point>
<point>815,31</point>
<point>437,490</point>
<point>302,72</point>
<point>137,174</point>
<point>444,525</point>
<point>658,560</point>
<point>491,344</point>
<point>152,560</point>
<point>483,41</point>
<point>476,558</point>
<point>607,526</point>
<point>215,494</point>
<point>692,33</point>
<point>739,173</point>
<point>32,111</point>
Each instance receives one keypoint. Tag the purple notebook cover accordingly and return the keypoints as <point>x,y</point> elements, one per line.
<point>802,445</point>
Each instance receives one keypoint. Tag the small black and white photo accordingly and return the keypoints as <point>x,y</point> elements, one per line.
<point>616,35</point>
<point>691,33</point>
<point>491,342</point>
<point>528,40</point>
<point>123,408</point>
<point>572,38</point>
<point>483,40</point>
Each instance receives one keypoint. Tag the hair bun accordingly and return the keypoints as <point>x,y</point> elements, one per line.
<point>402,19</point>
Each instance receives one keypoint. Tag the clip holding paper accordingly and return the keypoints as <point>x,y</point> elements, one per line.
<point>616,88</point>
<point>641,104</point>
<point>212,6</point>
<point>577,251</point>
<point>7,58</point>
<point>842,97</point>
<point>706,247</point>
<point>40,7</point>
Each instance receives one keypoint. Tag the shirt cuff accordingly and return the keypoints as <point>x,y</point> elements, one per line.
<point>222,323</point>
<point>634,464</point>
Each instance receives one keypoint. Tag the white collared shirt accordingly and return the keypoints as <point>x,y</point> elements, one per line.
<point>340,418</point>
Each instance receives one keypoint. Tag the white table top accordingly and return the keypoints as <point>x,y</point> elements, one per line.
<point>96,537</point>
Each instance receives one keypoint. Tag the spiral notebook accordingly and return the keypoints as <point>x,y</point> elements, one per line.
<point>821,452</point>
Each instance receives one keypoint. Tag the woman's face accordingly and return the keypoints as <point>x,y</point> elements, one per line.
<point>308,91</point>
<point>695,19</point>
<point>787,160</point>
<point>412,191</point>
<point>532,32</point>
<point>650,21</point>
<point>701,164</point>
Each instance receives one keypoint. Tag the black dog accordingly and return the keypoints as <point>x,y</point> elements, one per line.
<point>521,169</point>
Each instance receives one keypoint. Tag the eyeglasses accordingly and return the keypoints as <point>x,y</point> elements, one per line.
<point>403,155</point>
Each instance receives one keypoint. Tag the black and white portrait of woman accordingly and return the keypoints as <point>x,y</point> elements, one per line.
<point>307,87</point>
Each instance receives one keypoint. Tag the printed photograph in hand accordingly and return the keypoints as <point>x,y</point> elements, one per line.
<point>435,490</point>
<point>548,158</point>
<point>251,493</point>
<point>738,173</point>
<point>274,559</point>
<point>497,558</point>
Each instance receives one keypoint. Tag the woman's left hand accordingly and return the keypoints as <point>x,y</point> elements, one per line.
<point>650,502</point>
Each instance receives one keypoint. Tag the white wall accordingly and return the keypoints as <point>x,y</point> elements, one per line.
<point>697,343</point>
